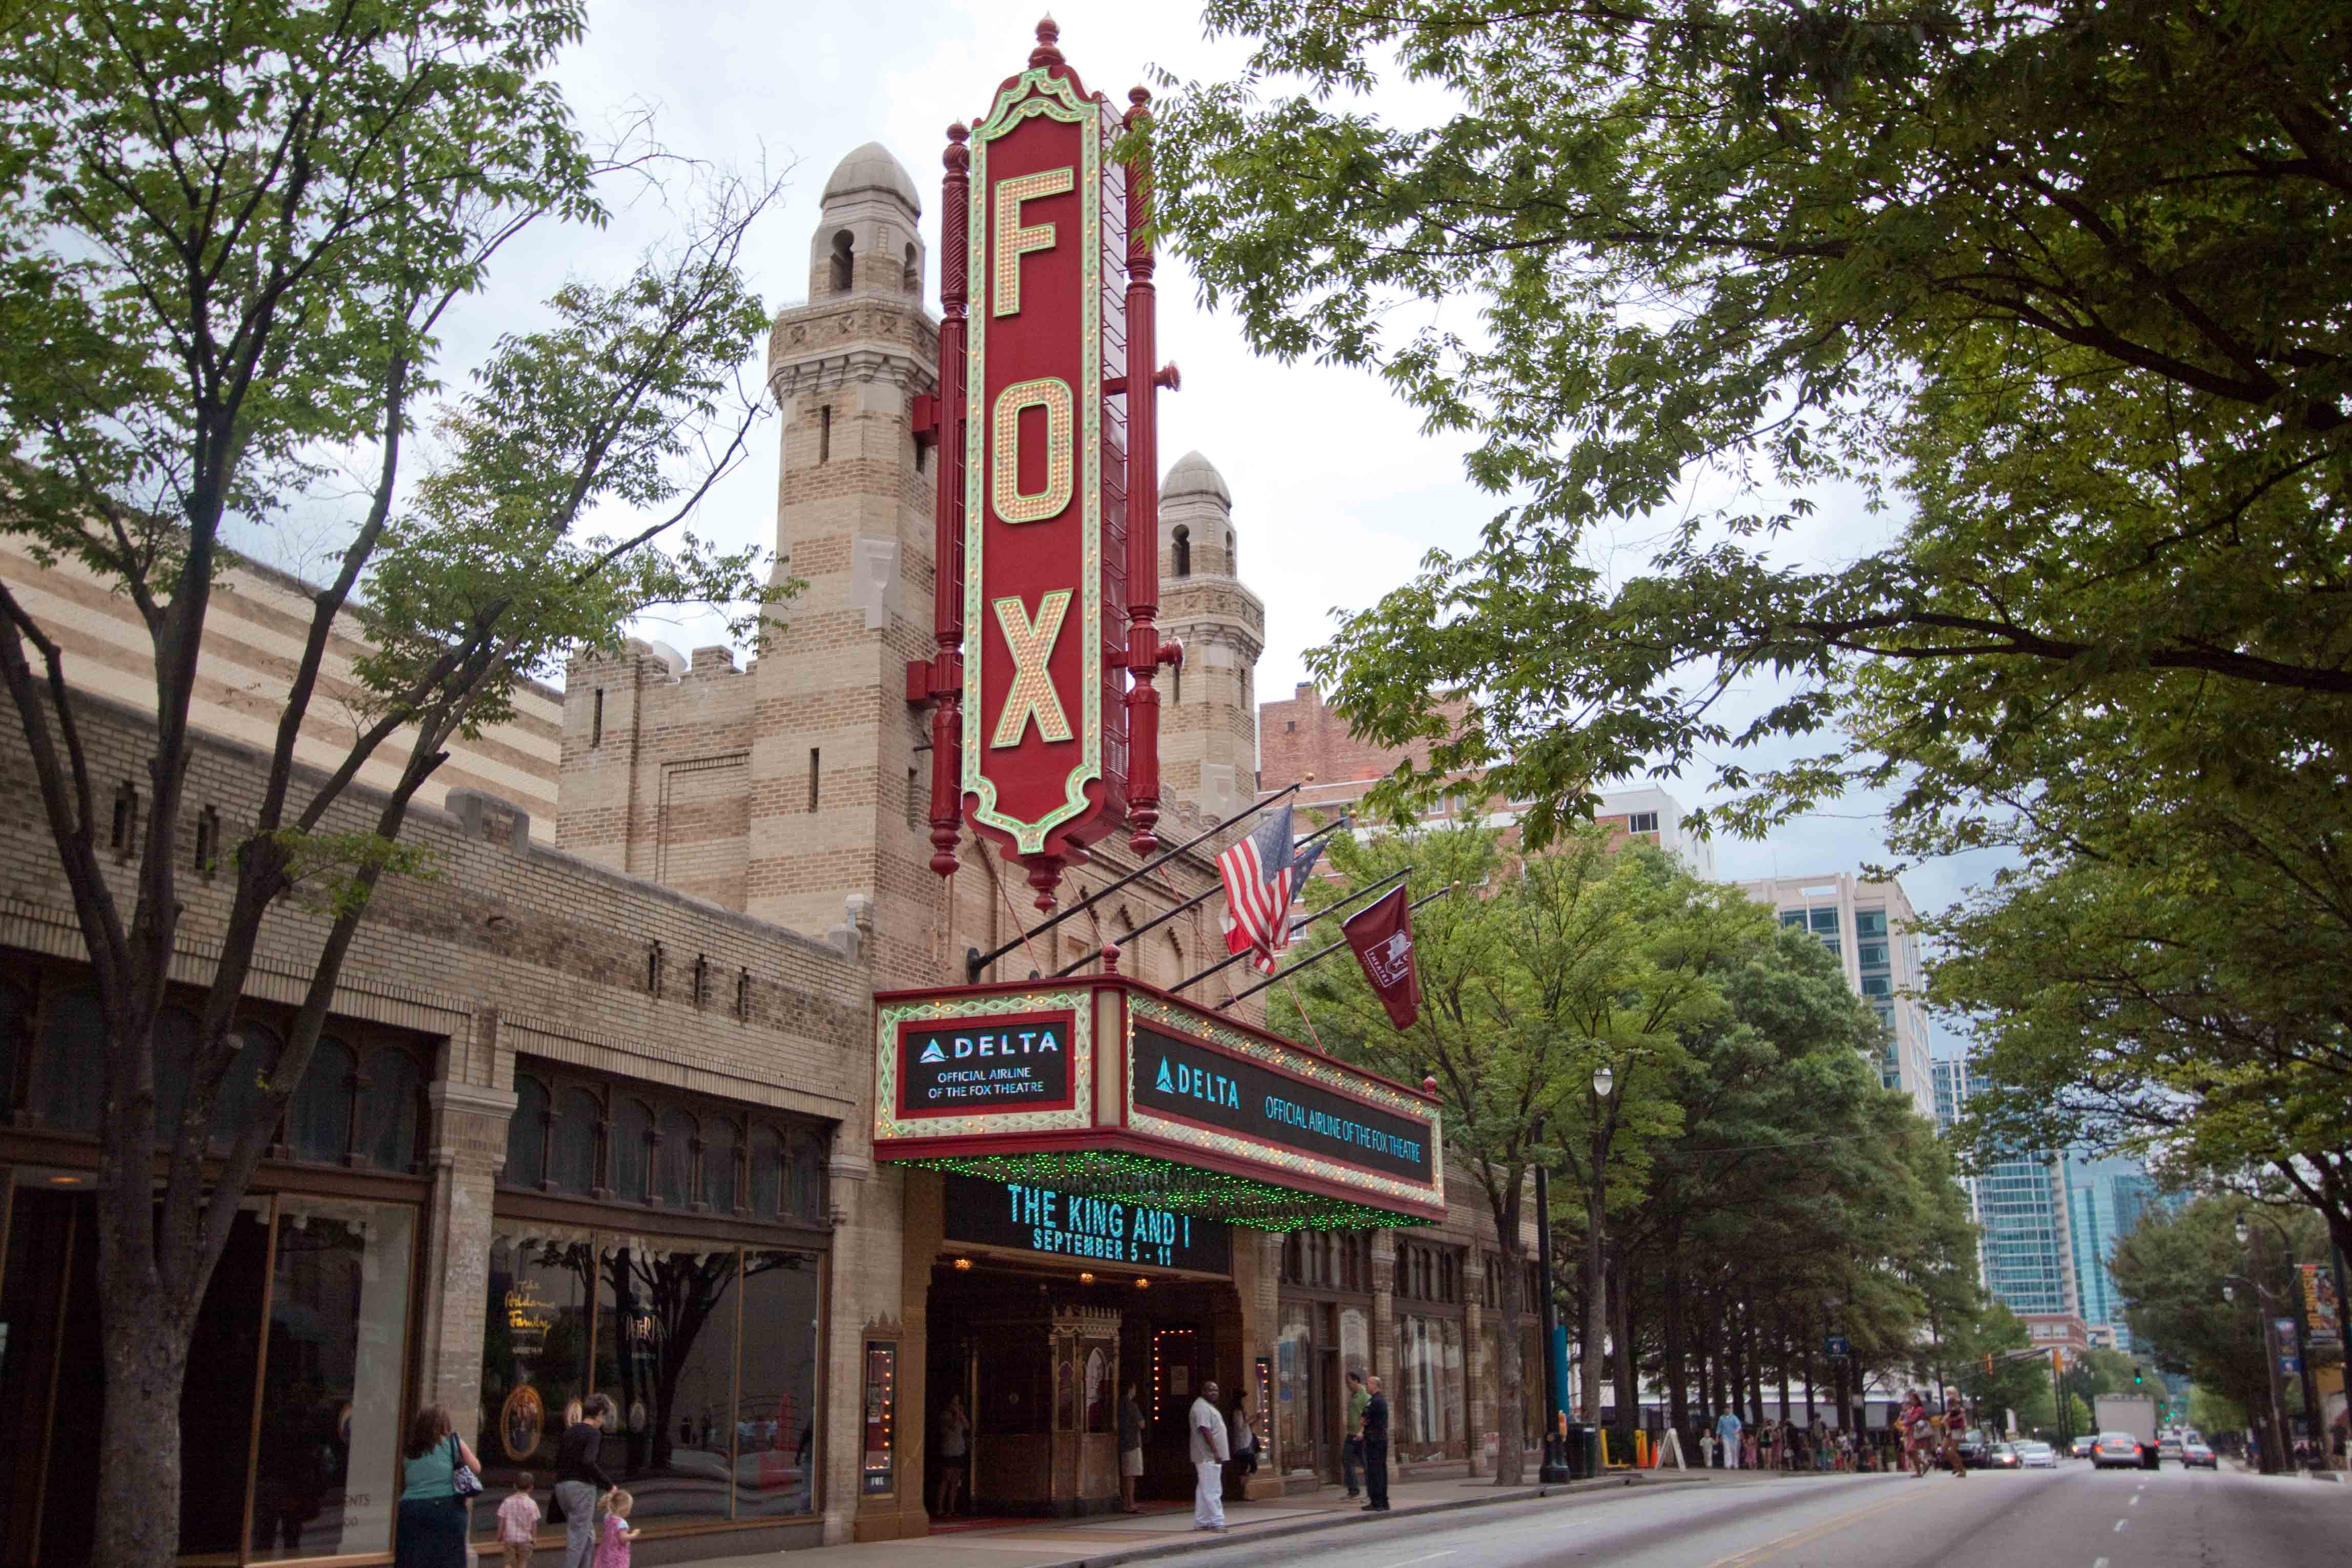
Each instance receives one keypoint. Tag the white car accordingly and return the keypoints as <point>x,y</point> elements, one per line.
<point>2037,1456</point>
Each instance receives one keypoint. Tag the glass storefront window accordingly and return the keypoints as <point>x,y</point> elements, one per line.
<point>1294,1356</point>
<point>535,1344</point>
<point>326,1478</point>
<point>775,1401</point>
<point>665,1355</point>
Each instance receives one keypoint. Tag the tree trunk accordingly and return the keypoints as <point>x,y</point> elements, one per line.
<point>1510,1414</point>
<point>1670,1303</point>
<point>1629,1392</point>
<point>1755,1361</point>
<point>1786,1347</point>
<point>145,1352</point>
<point>1732,1384</point>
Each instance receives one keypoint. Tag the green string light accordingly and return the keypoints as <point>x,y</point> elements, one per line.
<point>1147,1181</point>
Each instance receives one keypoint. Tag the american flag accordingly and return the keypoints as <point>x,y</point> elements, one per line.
<point>1262,873</point>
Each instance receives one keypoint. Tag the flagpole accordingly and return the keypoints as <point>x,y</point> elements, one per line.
<point>1326,953</point>
<point>975,960</point>
<point>1075,965</point>
<point>1296,927</point>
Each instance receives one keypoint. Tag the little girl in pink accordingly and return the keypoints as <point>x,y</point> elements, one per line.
<point>613,1546</point>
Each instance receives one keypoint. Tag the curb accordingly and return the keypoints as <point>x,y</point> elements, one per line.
<point>1598,1487</point>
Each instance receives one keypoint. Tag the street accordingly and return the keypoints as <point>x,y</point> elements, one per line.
<point>2068,1518</point>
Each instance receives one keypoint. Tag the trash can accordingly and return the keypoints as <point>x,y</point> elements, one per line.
<point>1583,1451</point>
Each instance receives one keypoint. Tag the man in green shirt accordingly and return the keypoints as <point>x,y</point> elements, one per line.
<point>1351,1449</point>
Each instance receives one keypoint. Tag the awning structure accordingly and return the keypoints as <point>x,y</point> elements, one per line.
<point>1109,1089</point>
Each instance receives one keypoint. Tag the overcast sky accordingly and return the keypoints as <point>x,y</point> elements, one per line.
<point>1337,494</point>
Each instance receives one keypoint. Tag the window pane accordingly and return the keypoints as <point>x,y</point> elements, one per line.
<point>69,1066</point>
<point>534,1362</point>
<point>527,1134</point>
<point>775,1413</point>
<point>331,1397</point>
<point>239,1100</point>
<point>718,1165</point>
<point>677,1156</point>
<point>15,1008</point>
<point>632,1131</point>
<point>1877,985</point>
<point>217,1398</point>
<point>1795,917</point>
<point>670,1370</point>
<point>1873,956</point>
<point>175,1065</point>
<point>1824,920</point>
<point>388,1109</point>
<point>807,1178</point>
<point>576,1142</point>
<point>1869,922</point>
<point>767,1172</point>
<point>319,1122</point>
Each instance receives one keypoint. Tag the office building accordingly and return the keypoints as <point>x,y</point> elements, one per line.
<point>1869,927</point>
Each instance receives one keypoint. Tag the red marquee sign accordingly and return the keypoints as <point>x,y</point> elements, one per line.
<point>1044,719</point>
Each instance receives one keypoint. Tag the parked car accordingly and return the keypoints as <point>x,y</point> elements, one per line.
<point>2038,1456</point>
<point>2081,1447</point>
<point>2115,1451</point>
<point>2004,1456</point>
<point>2196,1455</point>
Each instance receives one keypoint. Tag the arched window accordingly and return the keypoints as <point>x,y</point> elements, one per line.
<point>718,1142</point>
<point>16,1011</point>
<point>767,1172</point>
<point>912,279</point>
<point>676,1183</point>
<point>632,1135</point>
<point>807,1178</point>
<point>1179,551</point>
<point>239,1100</point>
<point>175,1068</point>
<point>1231,569</point>
<point>527,1134</point>
<point>319,1122</point>
<point>572,1144</point>
<point>844,253</point>
<point>391,1108</point>
<point>69,1064</point>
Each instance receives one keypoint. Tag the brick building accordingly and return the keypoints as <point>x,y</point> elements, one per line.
<point>596,1112</point>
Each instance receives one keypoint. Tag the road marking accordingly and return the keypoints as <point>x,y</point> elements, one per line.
<point>2120,1527</point>
<point>1409,1562</point>
<point>2134,1500</point>
<point>1813,1531</point>
<point>2098,1563</point>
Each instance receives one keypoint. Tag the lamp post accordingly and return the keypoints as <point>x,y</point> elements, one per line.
<point>1554,1470</point>
<point>2245,1233</point>
<point>1596,1229</point>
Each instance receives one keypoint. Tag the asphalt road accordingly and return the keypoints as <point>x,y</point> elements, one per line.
<point>2072,1517</point>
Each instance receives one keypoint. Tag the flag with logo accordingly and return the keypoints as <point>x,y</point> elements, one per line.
<point>1380,934</point>
<point>1262,874</point>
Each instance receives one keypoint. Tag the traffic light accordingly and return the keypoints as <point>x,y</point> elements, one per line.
<point>1988,1363</point>
<point>2136,1379</point>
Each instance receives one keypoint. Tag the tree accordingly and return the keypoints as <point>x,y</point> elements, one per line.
<point>1535,972</point>
<point>2060,278</point>
<point>230,237</point>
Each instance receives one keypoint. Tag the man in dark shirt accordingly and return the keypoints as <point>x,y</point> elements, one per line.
<point>1375,1432</point>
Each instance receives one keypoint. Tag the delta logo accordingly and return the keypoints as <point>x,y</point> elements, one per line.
<point>1197,1084</point>
<point>1008,1042</point>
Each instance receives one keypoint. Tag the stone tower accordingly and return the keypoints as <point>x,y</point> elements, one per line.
<point>1208,731</point>
<point>832,824</point>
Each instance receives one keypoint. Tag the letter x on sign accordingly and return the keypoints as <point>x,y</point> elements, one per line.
<point>1033,694</point>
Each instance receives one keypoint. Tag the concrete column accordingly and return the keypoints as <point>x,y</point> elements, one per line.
<point>468,1149</point>
<point>1478,1378</point>
<point>1384,1359</point>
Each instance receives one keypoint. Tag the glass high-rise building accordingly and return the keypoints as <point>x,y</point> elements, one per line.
<point>2025,1246</point>
<point>2107,1200</point>
<point>1868,928</point>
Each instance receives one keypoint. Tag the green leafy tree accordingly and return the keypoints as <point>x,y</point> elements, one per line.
<point>2061,278</point>
<point>230,237</point>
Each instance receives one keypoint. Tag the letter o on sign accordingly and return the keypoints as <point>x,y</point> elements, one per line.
<point>1004,458</point>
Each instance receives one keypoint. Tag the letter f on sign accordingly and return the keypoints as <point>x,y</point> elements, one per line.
<point>1031,642</point>
<point>1014,241</point>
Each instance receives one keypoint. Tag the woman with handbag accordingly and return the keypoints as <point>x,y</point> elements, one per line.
<point>441,1474</point>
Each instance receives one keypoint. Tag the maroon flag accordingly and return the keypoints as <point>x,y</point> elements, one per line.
<point>1381,935</point>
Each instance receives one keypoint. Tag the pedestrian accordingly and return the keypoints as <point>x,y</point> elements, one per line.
<point>613,1550</point>
<point>431,1511</point>
<point>1242,1436</point>
<point>579,1480</point>
<point>1131,1450</point>
<point>1376,1449</point>
<point>1351,1446</point>
<point>1707,1449</point>
<point>1726,1426</point>
<point>1953,1423</point>
<point>519,1522</point>
<point>1210,1449</point>
<point>955,1454</point>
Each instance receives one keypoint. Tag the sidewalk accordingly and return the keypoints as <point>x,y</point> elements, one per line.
<point>1100,1541</point>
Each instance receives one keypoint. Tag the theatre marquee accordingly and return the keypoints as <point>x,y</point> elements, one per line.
<point>1107,1089</point>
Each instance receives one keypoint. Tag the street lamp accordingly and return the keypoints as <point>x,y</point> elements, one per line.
<point>1603,1081</point>
<point>2244,1231</point>
<point>1596,1229</point>
<point>1554,1470</point>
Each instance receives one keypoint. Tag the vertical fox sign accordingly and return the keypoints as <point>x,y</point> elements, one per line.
<point>1045,718</point>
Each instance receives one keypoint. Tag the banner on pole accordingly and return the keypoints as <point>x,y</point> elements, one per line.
<point>2323,1314</point>
<point>1380,936</point>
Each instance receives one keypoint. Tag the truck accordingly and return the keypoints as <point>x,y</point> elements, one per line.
<point>2134,1414</point>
